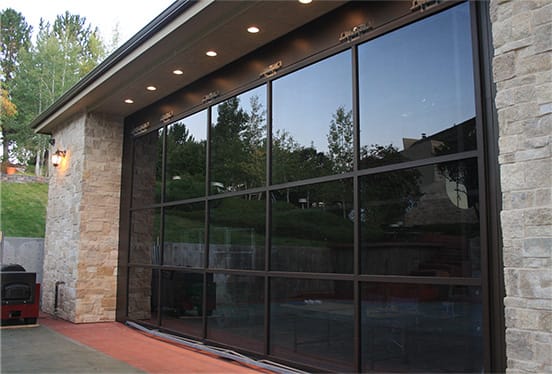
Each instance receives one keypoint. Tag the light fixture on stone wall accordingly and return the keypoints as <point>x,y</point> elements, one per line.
<point>57,157</point>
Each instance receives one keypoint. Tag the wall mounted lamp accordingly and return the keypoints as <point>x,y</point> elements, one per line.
<point>57,157</point>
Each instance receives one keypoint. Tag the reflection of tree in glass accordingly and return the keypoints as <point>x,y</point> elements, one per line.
<point>340,141</point>
<point>295,162</point>
<point>238,151</point>
<point>463,173</point>
<point>185,163</point>
<point>387,196</point>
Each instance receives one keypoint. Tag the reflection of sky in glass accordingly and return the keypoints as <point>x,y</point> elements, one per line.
<point>197,125</point>
<point>305,101</point>
<point>416,80</point>
<point>245,101</point>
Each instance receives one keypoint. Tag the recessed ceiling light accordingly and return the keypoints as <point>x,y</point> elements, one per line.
<point>305,1</point>
<point>129,101</point>
<point>178,72</point>
<point>211,53</point>
<point>151,88</point>
<point>253,29</point>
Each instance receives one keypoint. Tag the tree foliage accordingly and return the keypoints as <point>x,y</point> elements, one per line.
<point>340,140</point>
<point>14,38</point>
<point>37,73</point>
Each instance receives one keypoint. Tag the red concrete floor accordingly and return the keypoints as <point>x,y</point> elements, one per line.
<point>142,351</point>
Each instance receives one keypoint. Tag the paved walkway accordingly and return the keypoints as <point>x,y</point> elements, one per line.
<point>57,346</point>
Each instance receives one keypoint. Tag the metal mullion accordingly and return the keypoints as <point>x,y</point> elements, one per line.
<point>311,181</point>
<point>128,212</point>
<point>304,275</point>
<point>206,221</point>
<point>163,186</point>
<point>453,281</point>
<point>245,272</point>
<point>419,163</point>
<point>180,269</point>
<point>489,192</point>
<point>236,193</point>
<point>481,171</point>
<point>268,219</point>
<point>357,343</point>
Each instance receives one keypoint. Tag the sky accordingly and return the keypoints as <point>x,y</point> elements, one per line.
<point>130,15</point>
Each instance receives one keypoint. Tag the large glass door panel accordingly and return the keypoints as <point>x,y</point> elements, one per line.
<point>421,328</point>
<point>182,302</point>
<point>416,90</point>
<point>312,322</point>
<point>237,314</point>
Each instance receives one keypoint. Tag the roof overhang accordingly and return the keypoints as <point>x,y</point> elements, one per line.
<point>178,39</point>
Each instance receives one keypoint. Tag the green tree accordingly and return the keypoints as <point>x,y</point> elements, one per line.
<point>62,54</point>
<point>340,141</point>
<point>228,153</point>
<point>14,38</point>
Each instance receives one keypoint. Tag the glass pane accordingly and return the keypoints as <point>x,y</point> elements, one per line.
<point>312,228</point>
<point>238,317</point>
<point>422,221</point>
<point>148,161</point>
<point>417,91</point>
<point>182,301</point>
<point>312,322</point>
<point>238,142</point>
<point>143,286</point>
<point>421,328</point>
<point>185,164</point>
<point>237,241</point>
<point>184,236</point>
<point>145,240</point>
<point>312,131</point>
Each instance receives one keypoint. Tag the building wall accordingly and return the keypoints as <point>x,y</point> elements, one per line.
<point>81,243</point>
<point>522,70</point>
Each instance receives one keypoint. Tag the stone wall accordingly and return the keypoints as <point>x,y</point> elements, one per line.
<point>61,241</point>
<point>82,230</point>
<point>522,70</point>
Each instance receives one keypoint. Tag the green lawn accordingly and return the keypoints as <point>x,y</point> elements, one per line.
<point>23,209</point>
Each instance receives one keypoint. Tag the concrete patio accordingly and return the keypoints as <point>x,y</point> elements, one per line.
<point>57,346</point>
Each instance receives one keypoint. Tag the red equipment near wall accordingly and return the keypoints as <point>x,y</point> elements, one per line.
<point>20,295</point>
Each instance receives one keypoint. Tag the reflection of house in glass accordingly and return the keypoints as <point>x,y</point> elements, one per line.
<point>301,216</point>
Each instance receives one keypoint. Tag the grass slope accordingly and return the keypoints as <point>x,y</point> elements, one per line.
<point>23,209</point>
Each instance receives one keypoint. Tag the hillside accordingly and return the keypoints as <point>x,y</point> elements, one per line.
<point>23,209</point>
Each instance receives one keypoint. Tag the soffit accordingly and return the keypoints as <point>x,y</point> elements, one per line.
<point>216,25</point>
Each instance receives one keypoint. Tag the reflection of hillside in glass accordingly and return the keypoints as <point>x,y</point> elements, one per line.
<point>312,228</point>
<point>237,241</point>
<point>184,235</point>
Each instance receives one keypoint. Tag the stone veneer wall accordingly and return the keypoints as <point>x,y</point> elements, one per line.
<point>81,243</point>
<point>522,70</point>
